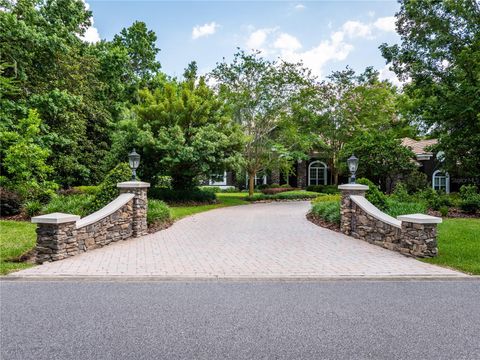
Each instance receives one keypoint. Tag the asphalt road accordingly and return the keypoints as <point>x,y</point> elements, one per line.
<point>234,320</point>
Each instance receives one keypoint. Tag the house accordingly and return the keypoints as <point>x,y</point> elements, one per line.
<point>315,171</point>
<point>430,163</point>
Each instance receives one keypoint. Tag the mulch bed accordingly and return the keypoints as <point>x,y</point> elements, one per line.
<point>454,213</point>
<point>320,222</point>
<point>157,226</point>
<point>19,217</point>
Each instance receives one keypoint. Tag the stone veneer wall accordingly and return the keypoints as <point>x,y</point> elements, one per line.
<point>412,235</point>
<point>63,235</point>
<point>114,227</point>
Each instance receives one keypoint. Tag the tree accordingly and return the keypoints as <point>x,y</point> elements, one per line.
<point>439,57</point>
<point>382,157</point>
<point>25,159</point>
<point>185,132</point>
<point>261,94</point>
<point>348,105</point>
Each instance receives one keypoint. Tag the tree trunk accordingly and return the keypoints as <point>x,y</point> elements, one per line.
<point>251,183</point>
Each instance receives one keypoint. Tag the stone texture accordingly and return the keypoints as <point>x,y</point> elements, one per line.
<point>56,241</point>
<point>140,206</point>
<point>412,239</point>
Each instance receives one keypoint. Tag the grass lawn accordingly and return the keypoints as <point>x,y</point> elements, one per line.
<point>224,200</point>
<point>459,245</point>
<point>16,238</point>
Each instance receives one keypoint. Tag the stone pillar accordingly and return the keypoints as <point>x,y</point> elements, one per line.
<point>301,174</point>
<point>347,213</point>
<point>419,235</point>
<point>140,205</point>
<point>56,236</point>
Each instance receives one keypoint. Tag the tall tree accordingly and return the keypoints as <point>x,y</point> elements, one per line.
<point>439,57</point>
<point>261,95</point>
<point>185,131</point>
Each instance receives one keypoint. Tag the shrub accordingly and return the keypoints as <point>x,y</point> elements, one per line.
<point>444,211</point>
<point>157,212</point>
<point>287,186</point>
<point>374,195</point>
<point>416,181</point>
<point>230,190</point>
<point>212,189</point>
<point>182,196</point>
<point>32,208</point>
<point>262,186</point>
<point>470,199</point>
<point>434,199</point>
<point>107,190</point>
<point>78,204</point>
<point>277,190</point>
<point>274,185</point>
<point>324,189</point>
<point>400,192</point>
<point>84,189</point>
<point>395,207</point>
<point>328,211</point>
<point>10,203</point>
<point>287,195</point>
<point>326,198</point>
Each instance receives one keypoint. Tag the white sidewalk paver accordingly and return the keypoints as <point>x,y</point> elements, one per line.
<point>267,240</point>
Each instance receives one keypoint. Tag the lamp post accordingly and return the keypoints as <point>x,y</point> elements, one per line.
<point>134,161</point>
<point>352,166</point>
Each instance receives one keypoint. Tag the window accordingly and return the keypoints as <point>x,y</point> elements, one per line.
<point>260,179</point>
<point>317,173</point>
<point>441,181</point>
<point>217,180</point>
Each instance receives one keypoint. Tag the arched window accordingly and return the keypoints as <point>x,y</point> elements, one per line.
<point>441,181</point>
<point>317,173</point>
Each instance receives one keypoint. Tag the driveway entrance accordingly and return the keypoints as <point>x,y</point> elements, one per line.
<point>266,240</point>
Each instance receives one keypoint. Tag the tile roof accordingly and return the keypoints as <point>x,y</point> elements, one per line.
<point>418,147</point>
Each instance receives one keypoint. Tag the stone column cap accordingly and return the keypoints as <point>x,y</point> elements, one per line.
<point>55,218</point>
<point>133,184</point>
<point>420,219</point>
<point>353,187</point>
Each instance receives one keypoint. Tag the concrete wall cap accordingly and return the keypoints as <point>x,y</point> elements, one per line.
<point>55,218</point>
<point>353,187</point>
<point>133,184</point>
<point>109,209</point>
<point>372,210</point>
<point>420,219</point>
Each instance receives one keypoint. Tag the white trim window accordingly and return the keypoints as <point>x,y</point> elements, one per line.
<point>214,180</point>
<point>259,180</point>
<point>441,181</point>
<point>317,173</point>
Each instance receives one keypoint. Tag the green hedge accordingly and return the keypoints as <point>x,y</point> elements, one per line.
<point>324,189</point>
<point>395,207</point>
<point>182,196</point>
<point>328,211</point>
<point>158,212</point>
<point>374,195</point>
<point>288,195</point>
<point>77,204</point>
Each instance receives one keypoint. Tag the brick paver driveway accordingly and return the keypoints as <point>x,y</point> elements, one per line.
<point>271,240</point>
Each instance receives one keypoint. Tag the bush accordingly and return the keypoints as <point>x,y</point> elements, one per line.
<point>416,181</point>
<point>324,189</point>
<point>395,207</point>
<point>374,195</point>
<point>287,195</point>
<point>84,189</point>
<point>10,203</point>
<point>328,211</point>
<point>400,193</point>
<point>262,186</point>
<point>32,208</point>
<point>287,186</point>
<point>470,206</point>
<point>212,189</point>
<point>277,190</point>
<point>444,211</point>
<point>107,190</point>
<point>434,199</point>
<point>470,199</point>
<point>182,196</point>
<point>78,204</point>
<point>157,212</point>
<point>326,198</point>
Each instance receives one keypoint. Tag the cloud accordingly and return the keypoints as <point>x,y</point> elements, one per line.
<point>91,34</point>
<point>204,30</point>
<point>385,23</point>
<point>386,74</point>
<point>287,42</point>
<point>300,7</point>
<point>357,29</point>
<point>257,39</point>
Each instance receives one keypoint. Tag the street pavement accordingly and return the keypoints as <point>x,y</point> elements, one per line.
<point>407,319</point>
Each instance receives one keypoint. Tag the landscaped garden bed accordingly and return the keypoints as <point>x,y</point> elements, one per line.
<point>283,196</point>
